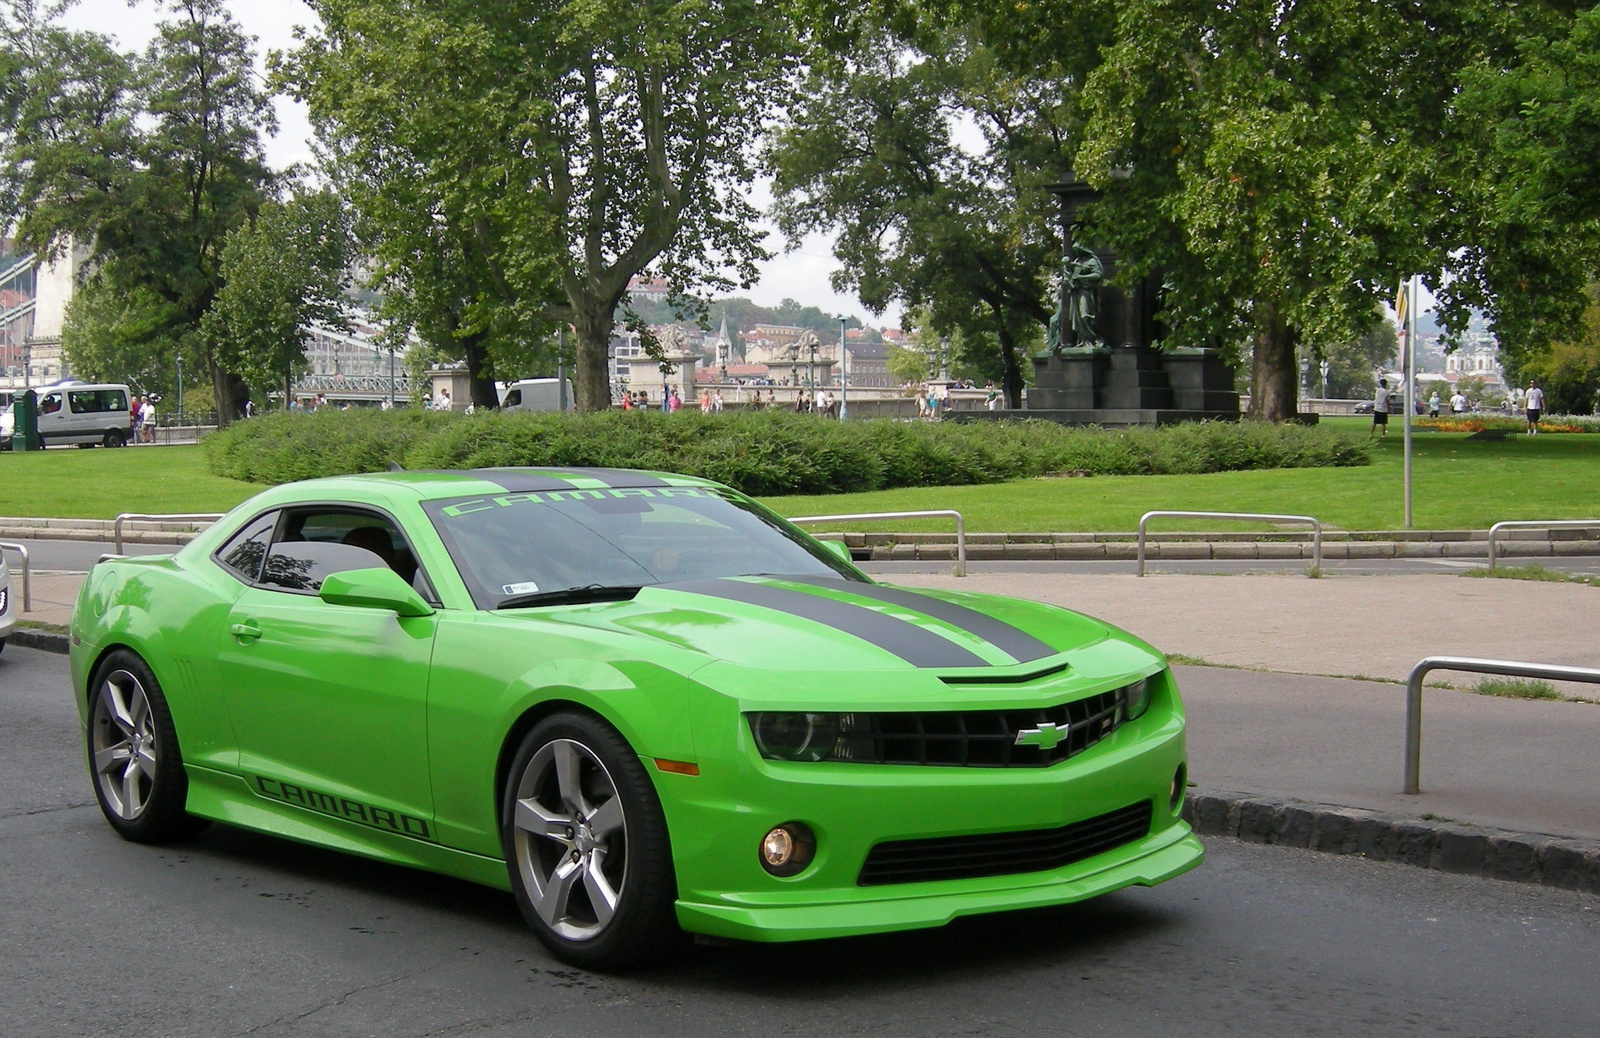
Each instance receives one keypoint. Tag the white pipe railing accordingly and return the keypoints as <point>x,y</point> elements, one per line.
<point>185,517</point>
<point>1467,664</point>
<point>27,593</point>
<point>941,513</point>
<point>1536,524</point>
<point>1316,528</point>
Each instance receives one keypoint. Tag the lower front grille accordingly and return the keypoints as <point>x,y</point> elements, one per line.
<point>1003,854</point>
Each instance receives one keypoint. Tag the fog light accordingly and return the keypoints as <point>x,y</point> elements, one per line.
<point>787,849</point>
<point>1180,786</point>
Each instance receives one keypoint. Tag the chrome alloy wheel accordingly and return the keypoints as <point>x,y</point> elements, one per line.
<point>124,744</point>
<point>571,839</point>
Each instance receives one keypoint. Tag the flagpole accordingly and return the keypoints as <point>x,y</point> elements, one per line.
<point>1410,330</point>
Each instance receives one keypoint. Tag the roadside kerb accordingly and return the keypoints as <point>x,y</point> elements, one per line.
<point>44,641</point>
<point>1469,665</point>
<point>1315,524</point>
<point>193,517</point>
<point>1444,846</point>
<point>27,590</point>
<point>1536,524</point>
<point>940,513</point>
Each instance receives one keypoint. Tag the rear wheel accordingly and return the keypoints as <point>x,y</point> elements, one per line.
<point>587,846</point>
<point>133,754</point>
<point>113,438</point>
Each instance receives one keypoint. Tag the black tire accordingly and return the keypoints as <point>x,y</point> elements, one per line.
<point>643,924</point>
<point>113,438</point>
<point>141,791</point>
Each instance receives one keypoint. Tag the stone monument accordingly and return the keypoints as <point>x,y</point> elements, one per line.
<point>1101,365</point>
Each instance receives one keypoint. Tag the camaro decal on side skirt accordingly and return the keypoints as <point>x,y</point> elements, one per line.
<point>918,647</point>
<point>342,807</point>
<point>1011,640</point>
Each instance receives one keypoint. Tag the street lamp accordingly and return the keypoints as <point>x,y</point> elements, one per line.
<point>179,359</point>
<point>1305,376</point>
<point>844,376</point>
<point>1325,366</point>
<point>813,373</point>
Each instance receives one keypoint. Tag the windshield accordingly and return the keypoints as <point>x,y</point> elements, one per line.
<point>513,546</point>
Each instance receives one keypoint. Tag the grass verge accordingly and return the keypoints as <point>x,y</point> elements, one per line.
<point>1532,572</point>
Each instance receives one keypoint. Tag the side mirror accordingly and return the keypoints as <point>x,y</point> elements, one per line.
<point>840,549</point>
<point>376,588</point>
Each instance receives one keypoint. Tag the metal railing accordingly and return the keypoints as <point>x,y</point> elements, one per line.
<point>1467,664</point>
<point>27,591</point>
<point>1536,524</point>
<point>184,517</point>
<point>940,513</point>
<point>1316,528</point>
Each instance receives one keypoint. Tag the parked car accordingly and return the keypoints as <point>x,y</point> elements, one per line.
<point>538,394</point>
<point>641,702</point>
<point>77,412</point>
<point>8,607</point>
<point>1364,407</point>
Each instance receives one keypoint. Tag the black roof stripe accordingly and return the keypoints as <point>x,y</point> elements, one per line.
<point>559,478</point>
<point>1019,644</point>
<point>917,646</point>
<point>515,482</point>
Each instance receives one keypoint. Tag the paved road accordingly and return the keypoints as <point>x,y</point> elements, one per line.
<point>235,933</point>
<point>78,556</point>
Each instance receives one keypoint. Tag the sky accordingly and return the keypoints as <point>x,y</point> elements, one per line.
<point>801,275</point>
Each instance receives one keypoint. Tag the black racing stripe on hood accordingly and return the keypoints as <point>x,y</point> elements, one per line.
<point>915,645</point>
<point>1010,640</point>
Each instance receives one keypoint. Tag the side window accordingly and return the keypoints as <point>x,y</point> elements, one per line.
<point>97,401</point>
<point>312,543</point>
<point>243,554</point>
<point>513,399</point>
<point>50,403</point>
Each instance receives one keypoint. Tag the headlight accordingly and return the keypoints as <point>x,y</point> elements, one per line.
<point>5,596</point>
<point>809,737</point>
<point>1137,699</point>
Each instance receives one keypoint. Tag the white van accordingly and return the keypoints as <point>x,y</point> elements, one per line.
<point>83,413</point>
<point>537,394</point>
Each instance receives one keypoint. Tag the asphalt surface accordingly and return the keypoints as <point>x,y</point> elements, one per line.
<point>77,556</point>
<point>237,934</point>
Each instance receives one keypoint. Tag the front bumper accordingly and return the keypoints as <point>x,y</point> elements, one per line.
<point>717,819</point>
<point>10,607</point>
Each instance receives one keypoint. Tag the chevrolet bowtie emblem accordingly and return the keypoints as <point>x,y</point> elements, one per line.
<point>1047,736</point>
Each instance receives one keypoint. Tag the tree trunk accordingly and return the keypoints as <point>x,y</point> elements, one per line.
<point>1273,394</point>
<point>475,351</point>
<point>1010,367</point>
<point>593,382</point>
<point>222,390</point>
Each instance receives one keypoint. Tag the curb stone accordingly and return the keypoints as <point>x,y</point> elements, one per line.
<point>1550,861</point>
<point>47,641</point>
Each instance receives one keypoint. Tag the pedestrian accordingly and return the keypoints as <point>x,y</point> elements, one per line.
<point>642,401</point>
<point>135,419</point>
<point>772,399</point>
<point>147,419</point>
<point>1534,405</point>
<point>991,398</point>
<point>627,400</point>
<point>674,401</point>
<point>824,403</point>
<point>716,402</point>
<point>1458,403</point>
<point>1433,405</point>
<point>1380,409</point>
<point>441,403</point>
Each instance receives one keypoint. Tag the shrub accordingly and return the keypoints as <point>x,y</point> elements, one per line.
<point>760,453</point>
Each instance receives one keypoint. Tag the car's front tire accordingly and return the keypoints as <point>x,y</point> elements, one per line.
<point>587,846</point>
<point>133,753</point>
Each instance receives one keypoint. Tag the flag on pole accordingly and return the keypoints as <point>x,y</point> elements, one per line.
<point>1400,305</point>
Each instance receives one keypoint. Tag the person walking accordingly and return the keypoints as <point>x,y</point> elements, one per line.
<point>147,419</point>
<point>1458,403</point>
<point>991,398</point>
<point>824,404</point>
<point>1433,405</point>
<point>1533,404</point>
<point>716,402</point>
<point>1380,409</point>
<point>674,401</point>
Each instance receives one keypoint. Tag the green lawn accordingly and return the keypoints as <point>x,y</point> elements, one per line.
<point>1458,483</point>
<point>68,483</point>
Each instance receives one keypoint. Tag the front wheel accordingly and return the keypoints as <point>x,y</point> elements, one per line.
<point>587,846</point>
<point>133,754</point>
<point>114,438</point>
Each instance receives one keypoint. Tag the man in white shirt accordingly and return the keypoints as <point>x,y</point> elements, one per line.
<point>147,420</point>
<point>1534,403</point>
<point>1380,409</point>
<point>1458,403</point>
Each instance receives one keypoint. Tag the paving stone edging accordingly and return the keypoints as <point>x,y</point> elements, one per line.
<point>32,638</point>
<point>1444,846</point>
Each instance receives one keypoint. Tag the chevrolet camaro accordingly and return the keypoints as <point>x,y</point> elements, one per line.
<point>642,703</point>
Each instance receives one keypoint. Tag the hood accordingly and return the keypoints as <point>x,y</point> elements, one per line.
<point>821,624</point>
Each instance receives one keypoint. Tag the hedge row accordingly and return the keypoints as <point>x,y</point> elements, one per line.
<point>760,453</point>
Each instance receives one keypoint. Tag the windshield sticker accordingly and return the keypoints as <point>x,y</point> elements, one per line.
<point>527,587</point>
<point>552,497</point>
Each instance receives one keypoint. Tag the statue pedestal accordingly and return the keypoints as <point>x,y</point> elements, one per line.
<point>1127,385</point>
<point>1067,380</point>
<point>1201,381</point>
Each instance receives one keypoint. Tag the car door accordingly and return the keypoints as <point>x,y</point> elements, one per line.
<point>329,701</point>
<point>53,418</point>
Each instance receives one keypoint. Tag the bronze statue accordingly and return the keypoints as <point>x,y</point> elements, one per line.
<point>1081,274</point>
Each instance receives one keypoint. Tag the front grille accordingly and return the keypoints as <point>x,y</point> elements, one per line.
<point>1003,854</point>
<point>978,738</point>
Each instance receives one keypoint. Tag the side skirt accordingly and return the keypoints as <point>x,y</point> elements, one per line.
<point>228,798</point>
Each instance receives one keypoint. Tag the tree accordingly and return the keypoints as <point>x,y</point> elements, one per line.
<point>284,271</point>
<point>148,161</point>
<point>871,153</point>
<point>113,333</point>
<point>1568,369</point>
<point>1353,362</point>
<point>536,157</point>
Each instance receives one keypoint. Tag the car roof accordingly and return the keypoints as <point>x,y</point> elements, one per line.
<point>430,484</point>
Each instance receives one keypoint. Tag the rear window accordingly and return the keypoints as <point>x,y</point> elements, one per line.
<point>97,401</point>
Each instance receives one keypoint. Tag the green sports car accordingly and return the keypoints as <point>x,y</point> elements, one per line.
<point>641,702</point>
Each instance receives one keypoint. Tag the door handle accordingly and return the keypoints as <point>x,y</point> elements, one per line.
<point>245,631</point>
